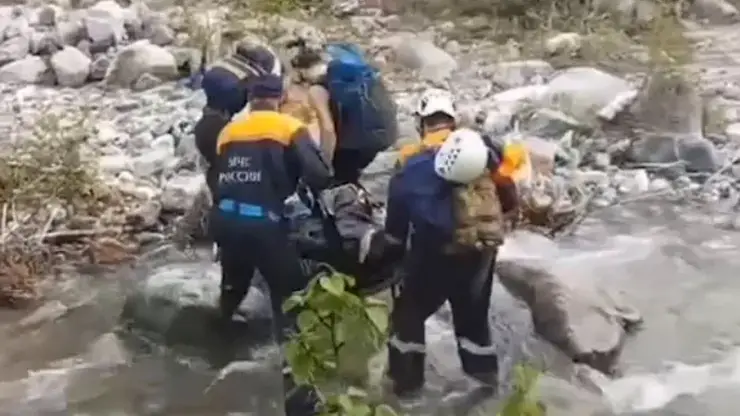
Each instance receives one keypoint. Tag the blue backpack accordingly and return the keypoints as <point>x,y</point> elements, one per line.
<point>429,198</point>
<point>363,109</point>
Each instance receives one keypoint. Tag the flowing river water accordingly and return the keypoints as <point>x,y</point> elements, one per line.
<point>674,265</point>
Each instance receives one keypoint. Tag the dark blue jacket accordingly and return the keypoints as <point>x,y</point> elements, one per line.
<point>260,159</point>
<point>418,199</point>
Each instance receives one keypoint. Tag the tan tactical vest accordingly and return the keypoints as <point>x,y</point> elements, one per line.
<point>478,214</point>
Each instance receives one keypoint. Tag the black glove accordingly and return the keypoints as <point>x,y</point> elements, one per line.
<point>384,249</point>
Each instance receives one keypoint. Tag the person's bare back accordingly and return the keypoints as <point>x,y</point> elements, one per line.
<point>298,105</point>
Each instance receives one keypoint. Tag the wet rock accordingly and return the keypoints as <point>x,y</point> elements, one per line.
<point>115,164</point>
<point>158,32</point>
<point>581,91</point>
<point>14,48</point>
<point>632,182</point>
<point>698,153</point>
<point>541,153</point>
<point>107,350</point>
<point>601,160</point>
<point>45,43</point>
<point>569,43</point>
<point>71,67</point>
<point>29,70</point>
<point>180,191</point>
<point>546,122</point>
<point>71,32</point>
<point>145,216</point>
<point>17,25</point>
<point>178,304</point>
<point>733,131</point>
<point>47,312</point>
<point>519,73</point>
<point>594,177</point>
<point>715,11</point>
<point>104,24</point>
<point>99,67</point>
<point>587,322</point>
<point>110,251</point>
<point>669,104</point>
<point>49,15</point>
<point>145,82</point>
<point>628,12</point>
<point>153,162</point>
<point>141,58</point>
<point>660,184</point>
<point>414,52</point>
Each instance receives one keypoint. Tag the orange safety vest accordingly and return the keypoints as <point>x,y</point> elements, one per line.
<point>430,140</point>
<point>512,168</point>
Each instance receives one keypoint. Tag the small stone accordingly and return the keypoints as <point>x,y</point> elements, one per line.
<point>564,44</point>
<point>634,181</point>
<point>99,67</point>
<point>153,162</point>
<point>48,15</point>
<point>180,191</point>
<point>593,177</point>
<point>733,131</point>
<point>145,82</point>
<point>71,67</point>
<point>165,141</point>
<point>115,164</point>
<point>601,160</point>
<point>546,122</point>
<point>145,216</point>
<point>659,184</point>
<point>109,251</point>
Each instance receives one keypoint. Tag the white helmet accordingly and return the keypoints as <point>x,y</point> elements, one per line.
<point>462,157</point>
<point>435,100</point>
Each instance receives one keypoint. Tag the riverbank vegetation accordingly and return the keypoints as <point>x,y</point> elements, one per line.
<point>339,351</point>
<point>53,205</point>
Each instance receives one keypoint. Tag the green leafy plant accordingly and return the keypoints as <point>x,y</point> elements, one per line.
<point>337,332</point>
<point>523,401</point>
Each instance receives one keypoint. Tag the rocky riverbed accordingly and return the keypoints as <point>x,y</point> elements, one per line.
<point>613,140</point>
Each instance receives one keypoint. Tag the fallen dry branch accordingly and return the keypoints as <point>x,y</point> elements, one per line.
<point>552,207</point>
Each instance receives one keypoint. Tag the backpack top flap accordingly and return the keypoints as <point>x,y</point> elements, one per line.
<point>348,65</point>
<point>428,197</point>
<point>362,108</point>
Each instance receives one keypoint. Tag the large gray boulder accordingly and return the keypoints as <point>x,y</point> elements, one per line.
<point>140,58</point>
<point>668,115</point>
<point>29,70</point>
<point>71,67</point>
<point>14,49</point>
<point>417,53</point>
<point>177,304</point>
<point>586,321</point>
<point>581,92</point>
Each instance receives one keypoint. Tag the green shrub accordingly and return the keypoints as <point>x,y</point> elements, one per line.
<point>339,331</point>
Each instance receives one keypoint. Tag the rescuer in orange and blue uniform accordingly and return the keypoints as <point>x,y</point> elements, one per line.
<point>433,275</point>
<point>260,159</point>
